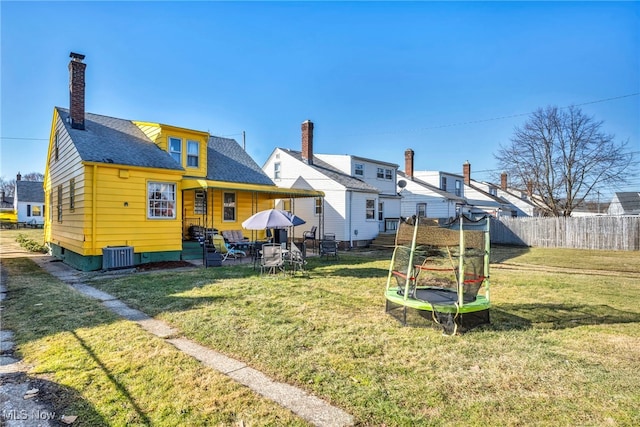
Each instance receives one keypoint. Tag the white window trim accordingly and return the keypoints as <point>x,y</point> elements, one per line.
<point>172,152</point>
<point>368,209</point>
<point>162,203</point>
<point>358,169</point>
<point>235,206</point>
<point>197,155</point>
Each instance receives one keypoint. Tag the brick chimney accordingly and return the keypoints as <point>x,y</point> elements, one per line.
<point>530,188</point>
<point>503,181</point>
<point>307,142</point>
<point>466,172</point>
<point>18,177</point>
<point>76,90</point>
<point>408,163</point>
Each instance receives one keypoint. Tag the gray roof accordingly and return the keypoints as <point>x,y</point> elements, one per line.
<point>336,175</point>
<point>111,140</point>
<point>431,187</point>
<point>30,191</point>
<point>227,161</point>
<point>630,201</point>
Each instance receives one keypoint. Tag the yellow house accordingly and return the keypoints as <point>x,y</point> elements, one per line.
<point>113,184</point>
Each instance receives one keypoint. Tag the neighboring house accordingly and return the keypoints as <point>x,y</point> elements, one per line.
<point>423,199</point>
<point>520,201</point>
<point>29,202</point>
<point>113,182</point>
<point>360,197</point>
<point>479,201</point>
<point>625,203</point>
<point>7,210</point>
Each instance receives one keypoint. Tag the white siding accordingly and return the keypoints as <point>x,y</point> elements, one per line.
<point>437,206</point>
<point>22,211</point>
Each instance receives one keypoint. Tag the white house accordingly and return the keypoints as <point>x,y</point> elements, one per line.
<point>519,200</point>
<point>360,200</point>
<point>28,201</point>
<point>625,203</point>
<point>423,199</point>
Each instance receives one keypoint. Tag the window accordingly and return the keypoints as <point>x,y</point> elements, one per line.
<point>371,209</point>
<point>35,210</point>
<point>193,153</point>
<point>421,210</point>
<point>229,206</point>
<point>200,203</point>
<point>388,174</point>
<point>380,173</point>
<point>28,210</point>
<point>286,205</point>
<point>318,205</point>
<point>59,203</point>
<point>359,169</point>
<point>162,200</point>
<point>51,205</point>
<point>443,183</point>
<point>458,188</point>
<point>276,170</point>
<point>493,191</point>
<point>72,193</point>
<point>380,211</point>
<point>175,148</point>
<point>56,150</point>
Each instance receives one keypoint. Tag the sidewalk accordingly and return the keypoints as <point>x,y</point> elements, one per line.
<point>311,408</point>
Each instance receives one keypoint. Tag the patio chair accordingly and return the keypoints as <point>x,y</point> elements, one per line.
<point>310,235</point>
<point>271,260</point>
<point>296,258</point>
<point>329,248</point>
<point>225,249</point>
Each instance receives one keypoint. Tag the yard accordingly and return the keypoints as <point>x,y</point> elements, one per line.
<point>563,347</point>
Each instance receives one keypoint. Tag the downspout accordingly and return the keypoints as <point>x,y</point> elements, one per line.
<point>94,209</point>
<point>350,218</point>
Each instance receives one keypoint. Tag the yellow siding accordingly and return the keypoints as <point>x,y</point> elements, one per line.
<point>70,232</point>
<point>121,205</point>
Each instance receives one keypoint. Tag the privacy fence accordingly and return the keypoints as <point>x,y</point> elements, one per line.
<point>601,232</point>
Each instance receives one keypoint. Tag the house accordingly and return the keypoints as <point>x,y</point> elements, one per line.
<point>360,196</point>
<point>8,215</point>
<point>423,199</point>
<point>521,202</point>
<point>479,201</point>
<point>142,186</point>
<point>625,203</point>
<point>29,202</point>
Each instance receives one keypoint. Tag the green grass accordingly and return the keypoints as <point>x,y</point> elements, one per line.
<point>109,371</point>
<point>563,348</point>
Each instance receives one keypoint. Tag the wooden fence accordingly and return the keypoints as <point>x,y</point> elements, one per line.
<point>600,232</point>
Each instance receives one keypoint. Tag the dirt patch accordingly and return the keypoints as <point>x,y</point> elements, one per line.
<point>164,265</point>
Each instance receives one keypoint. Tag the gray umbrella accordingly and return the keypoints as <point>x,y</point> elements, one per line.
<point>272,218</point>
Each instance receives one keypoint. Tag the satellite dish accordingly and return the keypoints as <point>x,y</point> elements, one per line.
<point>402,183</point>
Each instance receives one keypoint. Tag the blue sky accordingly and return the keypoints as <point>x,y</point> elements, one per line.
<point>449,80</point>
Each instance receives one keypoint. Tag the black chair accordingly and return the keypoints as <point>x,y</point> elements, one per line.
<point>310,235</point>
<point>329,248</point>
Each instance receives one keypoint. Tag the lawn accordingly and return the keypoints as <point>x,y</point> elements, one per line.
<point>563,348</point>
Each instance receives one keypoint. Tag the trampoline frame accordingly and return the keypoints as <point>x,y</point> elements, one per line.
<point>457,306</point>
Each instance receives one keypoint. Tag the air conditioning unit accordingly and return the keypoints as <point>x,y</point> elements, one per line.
<point>117,257</point>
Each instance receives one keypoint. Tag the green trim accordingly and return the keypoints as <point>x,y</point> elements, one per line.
<point>75,260</point>
<point>481,303</point>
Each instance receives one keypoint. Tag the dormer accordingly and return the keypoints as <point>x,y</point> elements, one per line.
<point>187,147</point>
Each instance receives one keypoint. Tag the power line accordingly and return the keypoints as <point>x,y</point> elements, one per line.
<point>24,139</point>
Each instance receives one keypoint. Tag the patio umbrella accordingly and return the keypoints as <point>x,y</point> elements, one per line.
<point>272,218</point>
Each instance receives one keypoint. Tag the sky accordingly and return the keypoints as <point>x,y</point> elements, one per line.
<point>450,80</point>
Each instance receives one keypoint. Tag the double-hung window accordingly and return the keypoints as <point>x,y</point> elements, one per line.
<point>380,173</point>
<point>59,203</point>
<point>175,149</point>
<point>276,170</point>
<point>458,188</point>
<point>421,210</point>
<point>371,209</point>
<point>388,174</point>
<point>359,169</point>
<point>161,200</point>
<point>193,154</point>
<point>318,206</point>
<point>443,183</point>
<point>229,207</point>
<point>72,194</point>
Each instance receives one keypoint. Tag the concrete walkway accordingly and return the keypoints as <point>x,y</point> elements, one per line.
<point>314,410</point>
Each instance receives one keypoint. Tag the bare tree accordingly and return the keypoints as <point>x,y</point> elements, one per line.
<point>562,156</point>
<point>33,176</point>
<point>9,185</point>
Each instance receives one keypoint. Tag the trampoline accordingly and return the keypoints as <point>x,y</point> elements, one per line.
<point>439,270</point>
